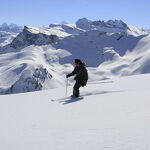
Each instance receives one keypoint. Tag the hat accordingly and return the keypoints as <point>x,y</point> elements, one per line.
<point>78,61</point>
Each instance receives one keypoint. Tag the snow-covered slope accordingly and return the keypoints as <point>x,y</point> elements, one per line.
<point>113,114</point>
<point>40,57</point>
<point>31,68</point>
<point>6,38</point>
<point>135,62</point>
<point>90,46</point>
<point>148,30</point>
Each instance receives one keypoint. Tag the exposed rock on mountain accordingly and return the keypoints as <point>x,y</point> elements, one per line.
<point>28,37</point>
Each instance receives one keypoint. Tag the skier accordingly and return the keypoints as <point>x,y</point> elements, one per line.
<point>81,76</point>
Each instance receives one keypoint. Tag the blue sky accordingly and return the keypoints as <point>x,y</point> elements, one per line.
<point>42,13</point>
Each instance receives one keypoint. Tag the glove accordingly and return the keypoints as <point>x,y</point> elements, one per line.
<point>83,84</point>
<point>75,78</point>
<point>67,76</point>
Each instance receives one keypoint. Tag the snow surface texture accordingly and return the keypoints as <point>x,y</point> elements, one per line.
<point>112,115</point>
<point>109,49</point>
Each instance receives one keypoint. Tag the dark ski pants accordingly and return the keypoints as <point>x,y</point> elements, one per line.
<point>76,87</point>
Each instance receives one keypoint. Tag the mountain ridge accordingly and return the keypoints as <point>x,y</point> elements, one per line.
<point>110,49</point>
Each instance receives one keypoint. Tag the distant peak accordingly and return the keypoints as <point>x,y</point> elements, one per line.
<point>10,28</point>
<point>87,24</point>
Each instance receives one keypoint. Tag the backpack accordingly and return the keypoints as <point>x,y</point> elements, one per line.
<point>84,75</point>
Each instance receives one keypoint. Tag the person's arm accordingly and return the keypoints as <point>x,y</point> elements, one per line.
<point>72,73</point>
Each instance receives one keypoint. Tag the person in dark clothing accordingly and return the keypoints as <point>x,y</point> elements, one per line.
<point>81,76</point>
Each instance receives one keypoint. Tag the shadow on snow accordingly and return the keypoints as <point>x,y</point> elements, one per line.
<point>72,100</point>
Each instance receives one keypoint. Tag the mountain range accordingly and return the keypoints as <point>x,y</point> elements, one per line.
<point>38,58</point>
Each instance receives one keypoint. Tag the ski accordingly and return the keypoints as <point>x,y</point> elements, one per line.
<point>66,98</point>
<point>63,98</point>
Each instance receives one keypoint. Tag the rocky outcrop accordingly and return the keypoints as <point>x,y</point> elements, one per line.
<point>30,37</point>
<point>33,83</point>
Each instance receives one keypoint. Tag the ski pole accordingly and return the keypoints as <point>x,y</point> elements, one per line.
<point>66,87</point>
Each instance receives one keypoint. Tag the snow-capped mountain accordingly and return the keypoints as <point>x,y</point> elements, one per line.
<point>33,36</point>
<point>148,30</point>
<point>117,25</point>
<point>8,33</point>
<point>13,28</point>
<point>6,38</point>
<point>110,48</point>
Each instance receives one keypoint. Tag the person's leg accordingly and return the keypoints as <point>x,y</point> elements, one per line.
<point>76,89</point>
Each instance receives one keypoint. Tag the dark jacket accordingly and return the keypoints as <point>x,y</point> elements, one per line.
<point>81,74</point>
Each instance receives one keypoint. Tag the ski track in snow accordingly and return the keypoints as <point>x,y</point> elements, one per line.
<point>67,100</point>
